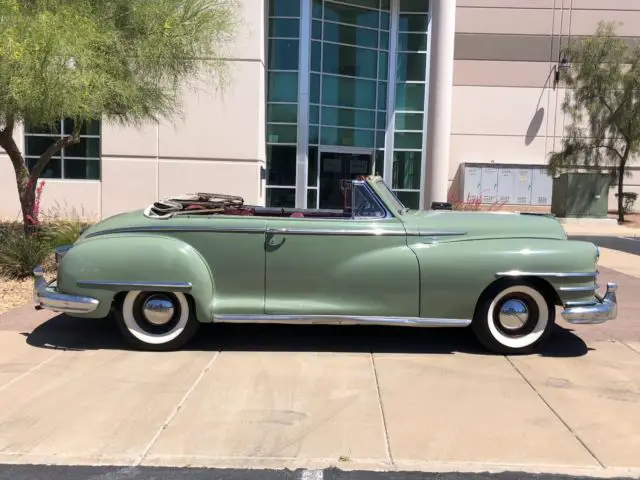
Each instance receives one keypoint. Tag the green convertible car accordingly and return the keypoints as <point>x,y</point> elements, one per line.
<point>203,258</point>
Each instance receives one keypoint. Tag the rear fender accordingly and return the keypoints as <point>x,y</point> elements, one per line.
<point>104,266</point>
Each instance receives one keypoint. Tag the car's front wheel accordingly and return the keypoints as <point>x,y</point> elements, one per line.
<point>513,318</point>
<point>159,321</point>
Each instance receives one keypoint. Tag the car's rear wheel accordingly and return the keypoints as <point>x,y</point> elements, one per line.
<point>513,318</point>
<point>157,321</point>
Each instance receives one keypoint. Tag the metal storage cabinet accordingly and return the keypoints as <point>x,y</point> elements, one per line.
<point>523,186</point>
<point>472,177</point>
<point>580,195</point>
<point>506,186</point>
<point>541,187</point>
<point>489,184</point>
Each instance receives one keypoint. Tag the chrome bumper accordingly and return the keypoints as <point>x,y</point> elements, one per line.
<point>47,296</point>
<point>606,308</point>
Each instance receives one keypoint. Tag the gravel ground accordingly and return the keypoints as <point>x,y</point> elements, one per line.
<point>15,293</point>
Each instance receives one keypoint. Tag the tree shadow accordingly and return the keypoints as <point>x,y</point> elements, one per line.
<point>68,333</point>
<point>534,126</point>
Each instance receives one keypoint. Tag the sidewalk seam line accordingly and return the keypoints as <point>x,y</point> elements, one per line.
<point>31,370</point>
<point>384,418</point>
<point>175,410</point>
<point>567,426</point>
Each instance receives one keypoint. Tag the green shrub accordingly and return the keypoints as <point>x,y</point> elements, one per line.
<point>20,253</point>
<point>63,232</point>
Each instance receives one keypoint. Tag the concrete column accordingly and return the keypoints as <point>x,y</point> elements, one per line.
<point>443,22</point>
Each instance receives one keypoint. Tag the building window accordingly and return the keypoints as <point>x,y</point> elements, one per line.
<point>76,162</point>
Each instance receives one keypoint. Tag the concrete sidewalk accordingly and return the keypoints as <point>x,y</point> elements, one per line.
<point>312,397</point>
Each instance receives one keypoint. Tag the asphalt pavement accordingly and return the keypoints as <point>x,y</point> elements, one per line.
<point>33,472</point>
<point>622,244</point>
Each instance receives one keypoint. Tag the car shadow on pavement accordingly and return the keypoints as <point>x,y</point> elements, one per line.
<point>68,333</point>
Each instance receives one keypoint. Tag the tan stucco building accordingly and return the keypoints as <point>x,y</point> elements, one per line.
<point>441,97</point>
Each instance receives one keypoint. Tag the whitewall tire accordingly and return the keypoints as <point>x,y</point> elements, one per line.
<point>513,318</point>
<point>156,320</point>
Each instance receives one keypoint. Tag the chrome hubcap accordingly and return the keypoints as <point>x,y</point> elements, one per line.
<point>513,314</point>
<point>158,309</point>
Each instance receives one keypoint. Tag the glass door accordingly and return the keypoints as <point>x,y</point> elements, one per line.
<point>338,166</point>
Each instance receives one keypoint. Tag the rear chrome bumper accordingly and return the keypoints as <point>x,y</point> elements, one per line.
<point>603,310</point>
<point>46,295</point>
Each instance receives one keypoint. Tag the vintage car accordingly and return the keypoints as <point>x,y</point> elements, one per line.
<point>200,258</point>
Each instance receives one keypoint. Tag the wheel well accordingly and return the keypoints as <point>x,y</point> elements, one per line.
<point>547,290</point>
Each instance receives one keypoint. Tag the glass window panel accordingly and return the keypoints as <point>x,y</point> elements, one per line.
<point>416,6</point>
<point>407,140</point>
<point>384,21</point>
<point>284,27</point>
<point>314,91</point>
<point>383,66</point>
<point>385,4</point>
<point>316,11</point>
<point>282,112</point>
<point>363,37</point>
<point>53,169</point>
<point>82,169</point>
<point>351,15</point>
<point>282,133</point>
<point>380,137</point>
<point>89,128</point>
<point>409,199</point>
<point>384,40</point>
<point>283,54</point>
<point>312,198</point>
<point>312,168</point>
<point>413,42</point>
<point>313,134</point>
<point>382,120</point>
<point>281,165</point>
<point>348,92</point>
<point>316,29</point>
<point>314,114</point>
<point>87,147</point>
<point>36,146</point>
<point>379,163</point>
<point>413,23</point>
<point>409,121</point>
<point>365,3</point>
<point>412,67</point>
<point>346,117</point>
<point>284,8</point>
<point>348,137</point>
<point>281,197</point>
<point>316,56</point>
<point>382,95</point>
<point>410,96</point>
<point>283,87</point>
<point>406,170</point>
<point>54,129</point>
<point>351,61</point>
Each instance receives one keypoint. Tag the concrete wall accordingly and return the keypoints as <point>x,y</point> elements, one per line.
<point>505,105</point>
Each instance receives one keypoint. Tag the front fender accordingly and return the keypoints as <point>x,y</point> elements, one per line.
<point>102,267</point>
<point>454,274</point>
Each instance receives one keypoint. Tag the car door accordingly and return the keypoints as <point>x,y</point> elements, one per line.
<point>341,267</point>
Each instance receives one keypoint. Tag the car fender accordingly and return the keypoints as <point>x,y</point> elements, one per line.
<point>104,266</point>
<point>454,274</point>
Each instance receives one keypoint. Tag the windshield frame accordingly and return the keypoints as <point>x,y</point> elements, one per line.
<point>388,197</point>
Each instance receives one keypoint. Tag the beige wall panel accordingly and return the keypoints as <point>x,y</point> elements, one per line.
<point>506,3</point>
<point>516,48</point>
<point>561,120</point>
<point>502,74</point>
<point>226,177</point>
<point>504,20</point>
<point>250,36</point>
<point>71,198</point>
<point>9,203</point>
<point>128,184</point>
<point>219,124</point>
<point>521,112</point>
<point>605,4</point>
<point>561,21</point>
<point>585,22</point>
<point>498,149</point>
<point>127,141</point>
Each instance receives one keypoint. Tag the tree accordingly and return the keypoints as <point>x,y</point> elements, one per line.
<point>603,102</point>
<point>120,61</point>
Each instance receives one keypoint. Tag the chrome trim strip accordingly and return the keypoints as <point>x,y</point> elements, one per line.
<point>181,286</point>
<point>435,233</point>
<point>580,303</point>
<point>331,231</point>
<point>45,296</point>
<point>344,320</point>
<point>589,288</point>
<point>169,228</point>
<point>520,273</point>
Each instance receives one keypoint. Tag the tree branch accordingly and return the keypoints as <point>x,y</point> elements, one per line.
<point>53,149</point>
<point>8,128</point>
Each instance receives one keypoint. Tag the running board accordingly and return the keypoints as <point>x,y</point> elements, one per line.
<point>344,320</point>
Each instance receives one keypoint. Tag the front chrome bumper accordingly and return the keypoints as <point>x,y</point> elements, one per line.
<point>46,295</point>
<point>604,309</point>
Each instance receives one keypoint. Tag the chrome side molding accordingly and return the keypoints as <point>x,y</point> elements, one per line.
<point>344,320</point>
<point>170,286</point>
<point>520,273</point>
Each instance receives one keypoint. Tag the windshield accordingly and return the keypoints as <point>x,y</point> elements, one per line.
<point>389,197</point>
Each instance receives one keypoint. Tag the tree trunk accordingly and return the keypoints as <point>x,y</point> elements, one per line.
<point>623,163</point>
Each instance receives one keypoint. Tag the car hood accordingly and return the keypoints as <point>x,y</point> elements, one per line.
<point>460,225</point>
<point>119,221</point>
